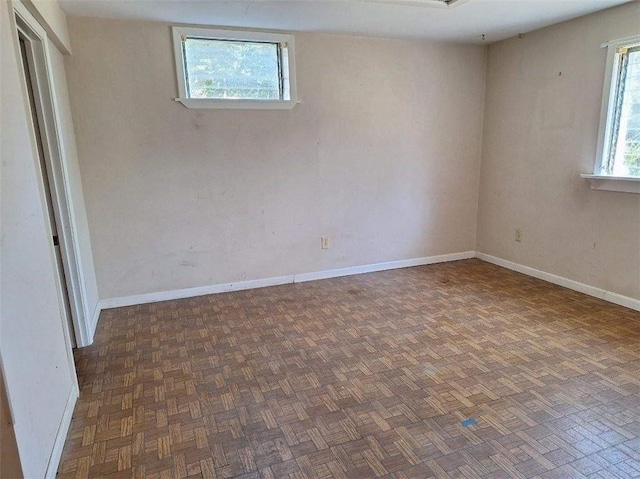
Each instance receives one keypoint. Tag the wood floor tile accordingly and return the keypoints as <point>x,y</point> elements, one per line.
<point>455,370</point>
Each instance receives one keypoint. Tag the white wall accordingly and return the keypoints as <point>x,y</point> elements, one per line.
<point>39,377</point>
<point>381,155</point>
<point>541,124</point>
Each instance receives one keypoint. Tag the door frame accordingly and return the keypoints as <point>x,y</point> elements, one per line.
<point>55,160</point>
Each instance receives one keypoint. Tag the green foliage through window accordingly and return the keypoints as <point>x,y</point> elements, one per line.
<point>624,155</point>
<point>230,69</point>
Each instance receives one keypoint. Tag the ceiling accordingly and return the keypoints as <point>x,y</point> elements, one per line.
<point>441,20</point>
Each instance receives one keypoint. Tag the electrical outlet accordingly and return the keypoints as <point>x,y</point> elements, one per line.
<point>519,235</point>
<point>324,242</point>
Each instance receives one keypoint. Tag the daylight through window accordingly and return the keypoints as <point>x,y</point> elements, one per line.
<point>232,69</point>
<point>621,142</point>
<point>227,69</point>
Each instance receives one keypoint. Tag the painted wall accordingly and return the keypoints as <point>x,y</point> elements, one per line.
<point>382,156</point>
<point>542,114</point>
<point>39,375</point>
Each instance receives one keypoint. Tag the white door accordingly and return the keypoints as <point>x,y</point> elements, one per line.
<point>46,179</point>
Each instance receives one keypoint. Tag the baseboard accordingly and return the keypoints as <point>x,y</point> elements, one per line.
<point>61,435</point>
<point>615,298</point>
<point>371,268</point>
<point>275,281</point>
<point>94,321</point>
<point>599,293</point>
<point>193,292</point>
<point>621,300</point>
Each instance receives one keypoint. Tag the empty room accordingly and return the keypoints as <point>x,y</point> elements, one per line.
<point>307,239</point>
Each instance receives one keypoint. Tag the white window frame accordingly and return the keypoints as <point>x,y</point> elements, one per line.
<point>289,73</point>
<point>600,179</point>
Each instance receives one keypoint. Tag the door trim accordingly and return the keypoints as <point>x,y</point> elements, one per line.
<point>46,105</point>
<point>61,435</point>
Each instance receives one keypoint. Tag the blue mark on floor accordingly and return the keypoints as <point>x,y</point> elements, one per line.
<point>469,422</point>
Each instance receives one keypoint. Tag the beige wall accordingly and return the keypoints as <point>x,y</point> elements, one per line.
<point>39,376</point>
<point>381,155</point>
<point>541,124</point>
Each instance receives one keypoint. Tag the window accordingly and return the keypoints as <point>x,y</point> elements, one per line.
<point>234,69</point>
<point>619,142</point>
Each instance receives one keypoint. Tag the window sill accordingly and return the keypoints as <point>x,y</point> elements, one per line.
<point>238,104</point>
<point>624,184</point>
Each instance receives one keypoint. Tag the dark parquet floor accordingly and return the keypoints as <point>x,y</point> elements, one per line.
<point>454,370</point>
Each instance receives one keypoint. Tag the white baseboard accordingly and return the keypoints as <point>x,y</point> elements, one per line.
<point>61,435</point>
<point>262,283</point>
<point>90,322</point>
<point>94,320</point>
<point>193,292</point>
<point>621,300</point>
<point>609,296</point>
<point>370,268</point>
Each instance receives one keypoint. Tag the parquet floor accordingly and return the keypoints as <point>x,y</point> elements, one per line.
<point>456,370</point>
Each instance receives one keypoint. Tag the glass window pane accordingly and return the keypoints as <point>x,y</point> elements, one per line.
<point>227,69</point>
<point>627,141</point>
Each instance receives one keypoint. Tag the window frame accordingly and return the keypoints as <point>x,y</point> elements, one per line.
<point>600,179</point>
<point>609,100</point>
<point>286,70</point>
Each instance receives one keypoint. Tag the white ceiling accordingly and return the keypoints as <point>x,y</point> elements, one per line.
<point>461,21</point>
